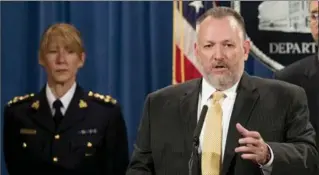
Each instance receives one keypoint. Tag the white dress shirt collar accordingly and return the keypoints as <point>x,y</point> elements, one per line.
<point>208,90</point>
<point>65,99</point>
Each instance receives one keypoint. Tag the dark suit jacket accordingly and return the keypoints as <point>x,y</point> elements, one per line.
<point>90,140</point>
<point>276,109</point>
<point>305,73</point>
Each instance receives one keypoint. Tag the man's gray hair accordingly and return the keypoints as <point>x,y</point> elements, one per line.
<point>221,12</point>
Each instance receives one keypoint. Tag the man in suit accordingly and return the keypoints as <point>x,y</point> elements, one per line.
<point>305,72</point>
<point>254,126</point>
<point>64,130</point>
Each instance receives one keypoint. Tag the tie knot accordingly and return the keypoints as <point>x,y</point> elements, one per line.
<point>57,104</point>
<point>217,96</point>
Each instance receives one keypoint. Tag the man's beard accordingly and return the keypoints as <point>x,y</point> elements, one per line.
<point>221,82</point>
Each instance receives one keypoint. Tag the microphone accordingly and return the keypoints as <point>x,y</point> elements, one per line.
<point>199,126</point>
<point>197,132</point>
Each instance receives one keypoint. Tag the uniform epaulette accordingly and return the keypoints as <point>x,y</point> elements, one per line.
<point>102,98</point>
<point>18,99</point>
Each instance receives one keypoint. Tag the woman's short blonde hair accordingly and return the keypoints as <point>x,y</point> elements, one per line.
<point>62,34</point>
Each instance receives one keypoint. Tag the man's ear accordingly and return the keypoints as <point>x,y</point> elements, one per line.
<point>196,49</point>
<point>246,47</point>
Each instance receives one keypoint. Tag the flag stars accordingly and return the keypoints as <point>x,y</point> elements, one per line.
<point>197,5</point>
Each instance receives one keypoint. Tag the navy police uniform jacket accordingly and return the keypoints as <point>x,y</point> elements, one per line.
<point>91,139</point>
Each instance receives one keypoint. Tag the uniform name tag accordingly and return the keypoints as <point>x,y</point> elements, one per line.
<point>28,131</point>
<point>87,131</point>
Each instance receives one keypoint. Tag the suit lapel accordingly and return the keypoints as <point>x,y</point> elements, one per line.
<point>244,104</point>
<point>311,87</point>
<point>76,110</point>
<point>41,112</point>
<point>312,69</point>
<point>188,110</point>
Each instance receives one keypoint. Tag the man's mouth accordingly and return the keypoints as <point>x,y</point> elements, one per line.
<point>220,67</point>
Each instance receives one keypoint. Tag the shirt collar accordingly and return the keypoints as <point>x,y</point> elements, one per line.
<point>208,90</point>
<point>65,99</point>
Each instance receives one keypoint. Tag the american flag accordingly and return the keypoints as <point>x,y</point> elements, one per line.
<point>185,14</point>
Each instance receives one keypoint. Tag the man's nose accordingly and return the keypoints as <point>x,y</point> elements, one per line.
<point>218,53</point>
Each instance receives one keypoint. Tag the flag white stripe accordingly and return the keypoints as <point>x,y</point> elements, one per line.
<point>189,35</point>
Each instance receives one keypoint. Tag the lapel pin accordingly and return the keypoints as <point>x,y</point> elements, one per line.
<point>35,105</point>
<point>82,104</point>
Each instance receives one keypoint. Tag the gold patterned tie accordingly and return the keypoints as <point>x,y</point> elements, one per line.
<point>212,142</point>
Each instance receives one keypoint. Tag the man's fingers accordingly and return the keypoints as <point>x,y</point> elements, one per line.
<point>246,149</point>
<point>246,133</point>
<point>243,131</point>
<point>252,157</point>
<point>253,134</point>
<point>249,141</point>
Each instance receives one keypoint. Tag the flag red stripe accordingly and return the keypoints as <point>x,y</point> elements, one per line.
<point>190,72</point>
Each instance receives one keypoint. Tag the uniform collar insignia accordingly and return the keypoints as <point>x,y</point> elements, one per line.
<point>35,105</point>
<point>82,104</point>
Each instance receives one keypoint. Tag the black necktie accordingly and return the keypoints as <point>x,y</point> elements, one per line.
<point>58,114</point>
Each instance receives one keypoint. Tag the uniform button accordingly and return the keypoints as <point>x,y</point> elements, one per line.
<point>55,159</point>
<point>57,136</point>
<point>24,145</point>
<point>89,144</point>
